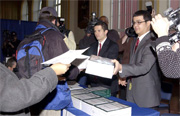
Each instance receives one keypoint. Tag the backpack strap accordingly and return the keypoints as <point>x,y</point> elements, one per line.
<point>44,30</point>
<point>40,26</point>
<point>26,63</point>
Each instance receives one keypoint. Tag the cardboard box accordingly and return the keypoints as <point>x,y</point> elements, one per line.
<point>100,66</point>
<point>114,109</point>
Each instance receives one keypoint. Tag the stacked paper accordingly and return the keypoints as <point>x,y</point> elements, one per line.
<point>79,91</point>
<point>94,105</point>
<point>86,96</point>
<point>77,98</point>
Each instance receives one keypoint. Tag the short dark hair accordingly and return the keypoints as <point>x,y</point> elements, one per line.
<point>103,24</point>
<point>146,15</point>
<point>10,62</point>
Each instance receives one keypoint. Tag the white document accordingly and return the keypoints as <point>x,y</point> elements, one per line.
<point>67,57</point>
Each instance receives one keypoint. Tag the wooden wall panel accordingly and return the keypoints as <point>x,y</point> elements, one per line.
<point>10,10</point>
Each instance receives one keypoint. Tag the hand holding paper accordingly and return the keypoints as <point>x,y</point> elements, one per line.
<point>60,69</point>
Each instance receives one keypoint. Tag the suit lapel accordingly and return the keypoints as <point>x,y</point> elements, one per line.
<point>132,49</point>
<point>94,49</point>
<point>144,40</point>
<point>141,44</point>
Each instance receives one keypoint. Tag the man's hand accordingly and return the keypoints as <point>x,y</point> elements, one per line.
<point>59,68</point>
<point>122,81</point>
<point>160,25</point>
<point>118,67</point>
<point>88,34</point>
<point>175,46</point>
<point>60,78</point>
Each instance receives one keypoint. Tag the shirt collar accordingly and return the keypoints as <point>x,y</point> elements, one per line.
<point>142,36</point>
<point>102,42</point>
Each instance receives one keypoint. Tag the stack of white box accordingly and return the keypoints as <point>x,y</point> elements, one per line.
<point>95,105</point>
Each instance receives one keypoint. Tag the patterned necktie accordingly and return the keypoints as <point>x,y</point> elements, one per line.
<point>99,48</point>
<point>137,43</point>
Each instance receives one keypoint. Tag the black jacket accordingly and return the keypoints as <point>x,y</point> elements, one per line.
<point>109,50</point>
<point>56,46</point>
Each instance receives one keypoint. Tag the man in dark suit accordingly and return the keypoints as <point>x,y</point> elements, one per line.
<point>90,38</point>
<point>143,85</point>
<point>104,47</point>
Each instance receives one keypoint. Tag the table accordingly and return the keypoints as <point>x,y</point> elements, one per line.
<point>136,110</point>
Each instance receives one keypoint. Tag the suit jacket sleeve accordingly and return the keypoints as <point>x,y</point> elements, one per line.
<point>18,94</point>
<point>142,65</point>
<point>87,41</point>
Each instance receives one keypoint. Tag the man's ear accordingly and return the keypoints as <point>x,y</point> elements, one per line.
<point>149,22</point>
<point>106,31</point>
<point>54,21</point>
<point>9,68</point>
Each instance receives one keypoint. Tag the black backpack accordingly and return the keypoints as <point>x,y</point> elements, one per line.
<point>30,54</point>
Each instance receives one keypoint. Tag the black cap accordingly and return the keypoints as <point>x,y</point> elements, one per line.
<point>48,11</point>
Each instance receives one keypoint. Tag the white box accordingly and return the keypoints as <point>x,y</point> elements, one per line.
<point>86,96</point>
<point>77,103</point>
<point>79,91</point>
<point>67,113</point>
<point>77,99</point>
<point>98,110</point>
<point>113,109</point>
<point>100,66</point>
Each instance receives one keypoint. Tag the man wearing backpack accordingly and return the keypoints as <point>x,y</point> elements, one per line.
<point>54,45</point>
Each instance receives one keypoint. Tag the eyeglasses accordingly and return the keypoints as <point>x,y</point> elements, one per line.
<point>139,22</point>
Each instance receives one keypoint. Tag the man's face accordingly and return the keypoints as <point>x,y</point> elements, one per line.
<point>55,23</point>
<point>140,25</point>
<point>100,33</point>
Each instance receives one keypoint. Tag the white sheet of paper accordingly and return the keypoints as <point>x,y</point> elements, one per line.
<point>67,57</point>
<point>83,65</point>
